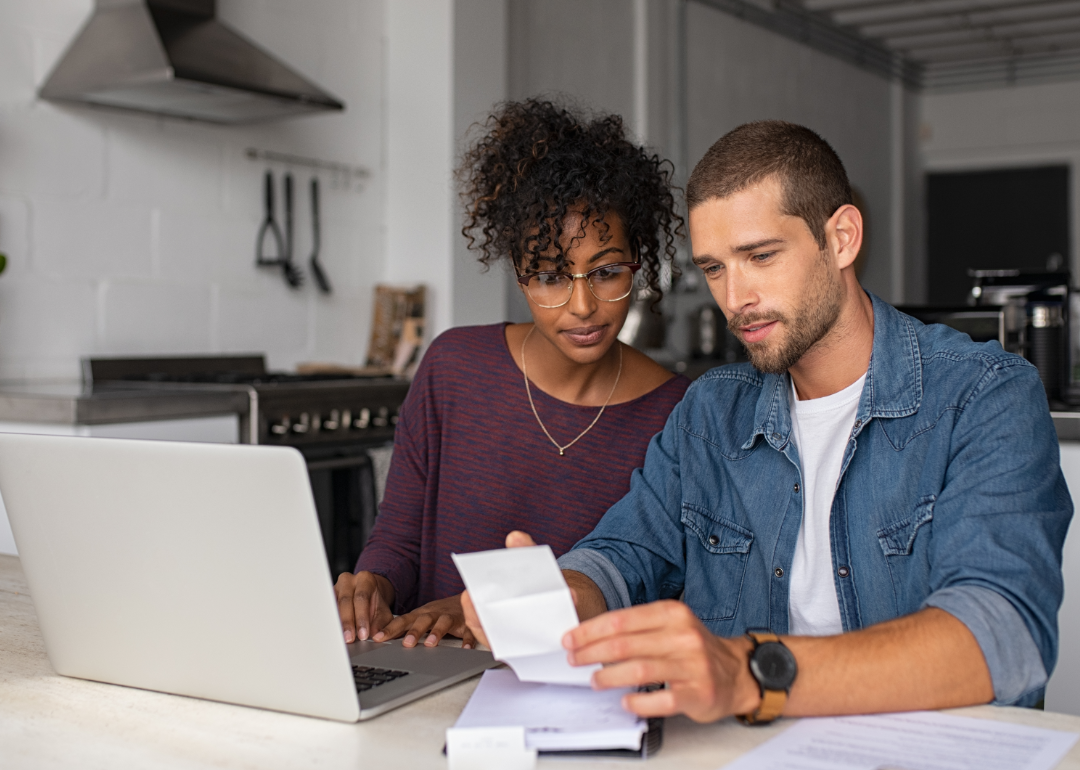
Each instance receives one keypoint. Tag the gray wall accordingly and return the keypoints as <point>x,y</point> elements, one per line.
<point>738,72</point>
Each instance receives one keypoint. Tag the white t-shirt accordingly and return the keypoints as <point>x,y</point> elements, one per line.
<point>821,428</point>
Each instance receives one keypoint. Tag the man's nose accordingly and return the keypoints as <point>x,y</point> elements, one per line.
<point>582,302</point>
<point>739,294</point>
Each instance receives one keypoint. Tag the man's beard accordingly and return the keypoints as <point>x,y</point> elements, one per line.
<point>812,321</point>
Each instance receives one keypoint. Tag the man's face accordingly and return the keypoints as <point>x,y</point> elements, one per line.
<point>779,291</point>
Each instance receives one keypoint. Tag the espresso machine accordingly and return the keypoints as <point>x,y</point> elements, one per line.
<point>1037,324</point>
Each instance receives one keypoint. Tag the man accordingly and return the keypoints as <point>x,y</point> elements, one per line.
<point>880,500</point>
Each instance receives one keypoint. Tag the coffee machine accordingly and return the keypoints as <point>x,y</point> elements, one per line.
<point>1038,324</point>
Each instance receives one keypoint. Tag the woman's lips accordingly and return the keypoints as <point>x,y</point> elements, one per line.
<point>585,335</point>
<point>756,332</point>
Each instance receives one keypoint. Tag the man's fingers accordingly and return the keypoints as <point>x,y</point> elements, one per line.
<point>663,615</point>
<point>519,539</point>
<point>678,643</point>
<point>661,703</point>
<point>472,620</point>
<point>642,671</point>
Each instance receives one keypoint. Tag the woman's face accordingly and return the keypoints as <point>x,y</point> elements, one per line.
<point>585,328</point>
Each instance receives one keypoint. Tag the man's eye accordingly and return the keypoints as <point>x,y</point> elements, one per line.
<point>763,257</point>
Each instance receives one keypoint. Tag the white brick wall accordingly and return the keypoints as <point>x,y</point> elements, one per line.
<point>130,234</point>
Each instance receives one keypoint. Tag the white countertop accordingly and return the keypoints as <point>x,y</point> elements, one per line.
<point>52,721</point>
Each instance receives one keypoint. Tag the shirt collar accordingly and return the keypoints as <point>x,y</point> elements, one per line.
<point>893,386</point>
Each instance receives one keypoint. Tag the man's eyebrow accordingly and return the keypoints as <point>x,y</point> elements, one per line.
<point>759,245</point>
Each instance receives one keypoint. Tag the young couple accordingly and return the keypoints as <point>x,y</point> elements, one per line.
<point>869,516</point>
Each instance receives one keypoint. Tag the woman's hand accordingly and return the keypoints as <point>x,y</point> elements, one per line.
<point>435,620</point>
<point>364,601</point>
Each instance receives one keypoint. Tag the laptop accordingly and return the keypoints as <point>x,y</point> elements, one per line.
<point>198,570</point>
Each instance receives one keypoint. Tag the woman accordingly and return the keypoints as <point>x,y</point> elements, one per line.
<point>533,426</point>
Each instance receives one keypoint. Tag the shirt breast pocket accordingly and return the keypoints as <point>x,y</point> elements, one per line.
<point>716,555</point>
<point>904,544</point>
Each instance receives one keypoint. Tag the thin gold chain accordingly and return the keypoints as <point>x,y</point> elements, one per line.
<point>528,392</point>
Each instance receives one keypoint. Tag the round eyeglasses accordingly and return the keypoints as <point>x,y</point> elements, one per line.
<point>608,283</point>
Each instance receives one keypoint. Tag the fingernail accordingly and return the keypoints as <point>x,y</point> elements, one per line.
<point>466,646</point>
<point>571,659</point>
<point>348,636</point>
<point>379,636</point>
<point>361,633</point>
<point>409,640</point>
<point>431,641</point>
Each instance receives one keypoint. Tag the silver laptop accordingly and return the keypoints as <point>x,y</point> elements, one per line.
<point>198,569</point>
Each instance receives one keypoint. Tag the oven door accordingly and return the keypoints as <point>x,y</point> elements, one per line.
<point>343,481</point>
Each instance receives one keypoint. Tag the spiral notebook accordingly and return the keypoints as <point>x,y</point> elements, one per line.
<point>561,718</point>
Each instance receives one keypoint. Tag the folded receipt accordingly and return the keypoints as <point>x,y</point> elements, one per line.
<point>525,607</point>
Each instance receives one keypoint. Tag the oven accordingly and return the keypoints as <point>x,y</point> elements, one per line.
<point>342,424</point>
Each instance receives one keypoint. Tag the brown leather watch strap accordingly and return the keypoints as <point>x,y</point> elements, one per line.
<point>772,701</point>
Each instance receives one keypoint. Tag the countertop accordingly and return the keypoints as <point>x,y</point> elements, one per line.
<point>51,721</point>
<point>69,403</point>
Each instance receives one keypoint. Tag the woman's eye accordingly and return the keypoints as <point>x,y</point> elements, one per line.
<point>549,279</point>
<point>712,270</point>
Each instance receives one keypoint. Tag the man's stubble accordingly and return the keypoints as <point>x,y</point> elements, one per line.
<point>812,320</point>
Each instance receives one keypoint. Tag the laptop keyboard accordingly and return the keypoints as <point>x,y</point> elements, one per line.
<point>367,677</point>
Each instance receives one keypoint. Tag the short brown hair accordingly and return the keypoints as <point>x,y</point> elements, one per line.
<point>814,182</point>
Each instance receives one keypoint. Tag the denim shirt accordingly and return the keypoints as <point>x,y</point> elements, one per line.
<point>950,495</point>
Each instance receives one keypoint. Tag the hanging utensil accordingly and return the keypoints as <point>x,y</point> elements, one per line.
<point>316,239</point>
<point>269,228</point>
<point>293,275</point>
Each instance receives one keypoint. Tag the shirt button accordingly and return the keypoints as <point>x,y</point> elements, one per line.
<point>776,436</point>
<point>779,572</point>
<point>843,572</point>
<point>796,489</point>
<point>858,423</point>
<point>714,540</point>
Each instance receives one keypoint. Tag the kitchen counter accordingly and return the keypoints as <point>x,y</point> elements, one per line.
<point>69,403</point>
<point>51,721</point>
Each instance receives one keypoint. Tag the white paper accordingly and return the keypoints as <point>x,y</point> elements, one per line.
<point>525,607</point>
<point>489,748</point>
<point>920,740</point>
<point>555,717</point>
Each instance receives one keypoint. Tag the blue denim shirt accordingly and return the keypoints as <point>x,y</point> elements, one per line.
<point>950,495</point>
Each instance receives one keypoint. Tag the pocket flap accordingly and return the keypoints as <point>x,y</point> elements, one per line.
<point>717,535</point>
<point>898,539</point>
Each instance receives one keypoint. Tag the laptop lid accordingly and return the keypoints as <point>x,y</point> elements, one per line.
<point>195,569</point>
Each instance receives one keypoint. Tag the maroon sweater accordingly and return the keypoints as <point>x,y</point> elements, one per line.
<point>471,464</point>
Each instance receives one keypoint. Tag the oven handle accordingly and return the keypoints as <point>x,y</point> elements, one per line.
<point>338,462</point>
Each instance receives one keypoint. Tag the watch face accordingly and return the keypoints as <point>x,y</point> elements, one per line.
<point>773,665</point>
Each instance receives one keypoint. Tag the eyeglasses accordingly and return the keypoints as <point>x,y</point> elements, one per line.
<point>608,283</point>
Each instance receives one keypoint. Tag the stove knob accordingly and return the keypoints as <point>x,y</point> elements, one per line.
<point>346,419</point>
<point>316,423</point>
<point>363,419</point>
<point>333,421</point>
<point>281,428</point>
<point>382,418</point>
<point>303,425</point>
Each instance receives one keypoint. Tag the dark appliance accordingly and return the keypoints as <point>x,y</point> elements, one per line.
<point>334,420</point>
<point>1036,316</point>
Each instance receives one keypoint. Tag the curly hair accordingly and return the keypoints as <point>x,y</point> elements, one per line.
<point>538,161</point>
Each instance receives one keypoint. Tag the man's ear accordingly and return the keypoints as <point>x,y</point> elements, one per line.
<point>844,232</point>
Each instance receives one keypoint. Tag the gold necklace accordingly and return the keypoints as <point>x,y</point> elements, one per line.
<point>528,392</point>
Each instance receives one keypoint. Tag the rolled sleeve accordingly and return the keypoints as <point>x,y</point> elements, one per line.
<point>1016,666</point>
<point>601,571</point>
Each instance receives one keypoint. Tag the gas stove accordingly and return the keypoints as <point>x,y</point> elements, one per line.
<point>302,410</point>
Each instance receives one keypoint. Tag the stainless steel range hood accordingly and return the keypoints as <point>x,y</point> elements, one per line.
<point>173,57</point>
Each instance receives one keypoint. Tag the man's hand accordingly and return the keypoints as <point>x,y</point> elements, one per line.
<point>708,677</point>
<point>515,539</point>
<point>364,601</point>
<point>436,619</point>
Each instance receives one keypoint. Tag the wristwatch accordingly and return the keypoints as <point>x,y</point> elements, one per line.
<point>774,668</point>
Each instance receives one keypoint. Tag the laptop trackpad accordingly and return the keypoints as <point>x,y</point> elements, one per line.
<point>439,661</point>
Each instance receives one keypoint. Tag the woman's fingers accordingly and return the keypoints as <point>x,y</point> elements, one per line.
<point>422,622</point>
<point>439,630</point>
